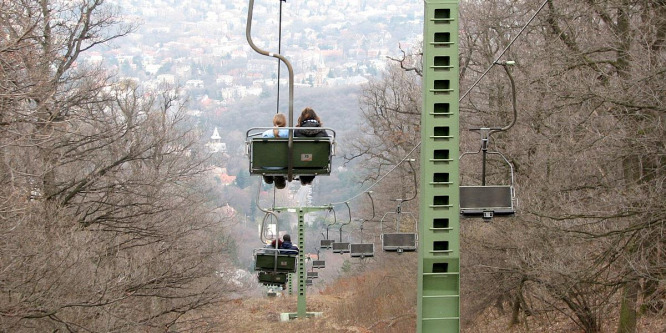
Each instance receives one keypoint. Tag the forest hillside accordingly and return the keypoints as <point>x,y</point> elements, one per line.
<point>117,216</point>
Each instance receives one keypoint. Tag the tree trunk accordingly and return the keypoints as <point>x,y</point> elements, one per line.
<point>628,308</point>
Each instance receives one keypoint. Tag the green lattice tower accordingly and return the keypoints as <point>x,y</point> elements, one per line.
<point>439,228</point>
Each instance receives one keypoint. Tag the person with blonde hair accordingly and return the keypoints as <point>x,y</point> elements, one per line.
<point>279,120</point>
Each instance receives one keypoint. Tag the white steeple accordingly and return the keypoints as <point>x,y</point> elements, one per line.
<point>216,136</point>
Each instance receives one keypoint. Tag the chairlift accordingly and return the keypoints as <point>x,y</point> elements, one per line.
<point>273,279</point>
<point>326,244</point>
<point>341,247</point>
<point>361,250</point>
<point>313,275</point>
<point>488,201</point>
<point>273,259</point>
<point>311,156</point>
<point>293,156</point>
<point>399,239</point>
<point>318,264</point>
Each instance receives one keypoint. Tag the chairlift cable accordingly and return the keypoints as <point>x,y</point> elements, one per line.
<point>459,100</point>
<point>380,178</point>
<point>505,49</point>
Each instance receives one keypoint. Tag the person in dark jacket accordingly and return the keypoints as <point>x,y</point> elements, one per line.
<point>309,122</point>
<point>287,246</point>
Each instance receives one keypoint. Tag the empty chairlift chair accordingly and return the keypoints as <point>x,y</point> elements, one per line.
<point>318,264</point>
<point>326,244</point>
<point>361,250</point>
<point>398,240</point>
<point>341,247</point>
<point>487,201</point>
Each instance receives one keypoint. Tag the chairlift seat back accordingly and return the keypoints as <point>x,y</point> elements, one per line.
<point>272,278</point>
<point>318,263</point>
<point>362,249</point>
<point>400,241</point>
<point>311,156</point>
<point>269,262</point>
<point>475,200</point>
<point>340,247</point>
<point>313,275</point>
<point>326,243</point>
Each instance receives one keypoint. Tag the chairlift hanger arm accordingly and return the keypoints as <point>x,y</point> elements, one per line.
<point>506,65</point>
<point>409,161</point>
<point>372,202</point>
<point>248,34</point>
<point>486,132</point>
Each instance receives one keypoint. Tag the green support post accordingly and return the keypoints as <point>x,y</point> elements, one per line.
<point>439,227</point>
<point>301,311</point>
<point>290,282</point>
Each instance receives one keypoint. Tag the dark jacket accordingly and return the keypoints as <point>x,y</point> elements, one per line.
<point>288,247</point>
<point>308,128</point>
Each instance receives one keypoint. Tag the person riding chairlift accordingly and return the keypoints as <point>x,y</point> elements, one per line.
<point>287,246</point>
<point>308,122</point>
<point>279,120</point>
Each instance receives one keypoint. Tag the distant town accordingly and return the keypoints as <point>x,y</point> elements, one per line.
<point>201,45</point>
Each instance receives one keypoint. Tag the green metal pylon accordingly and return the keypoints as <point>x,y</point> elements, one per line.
<point>439,227</point>
<point>301,270</point>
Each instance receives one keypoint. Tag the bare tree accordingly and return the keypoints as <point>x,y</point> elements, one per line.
<point>105,222</point>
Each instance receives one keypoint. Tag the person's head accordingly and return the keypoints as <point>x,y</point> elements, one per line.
<point>307,114</point>
<point>279,120</point>
<point>286,238</point>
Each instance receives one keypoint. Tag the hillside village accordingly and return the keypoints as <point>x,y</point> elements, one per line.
<point>201,45</point>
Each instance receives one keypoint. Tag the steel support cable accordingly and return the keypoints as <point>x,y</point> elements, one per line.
<point>380,178</point>
<point>460,99</point>
<point>505,49</point>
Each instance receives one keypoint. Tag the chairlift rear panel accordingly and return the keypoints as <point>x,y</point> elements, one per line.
<point>340,247</point>
<point>313,275</point>
<point>311,156</point>
<point>269,262</point>
<point>400,241</point>
<point>318,264</point>
<point>475,200</point>
<point>272,278</point>
<point>362,250</point>
<point>326,243</point>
